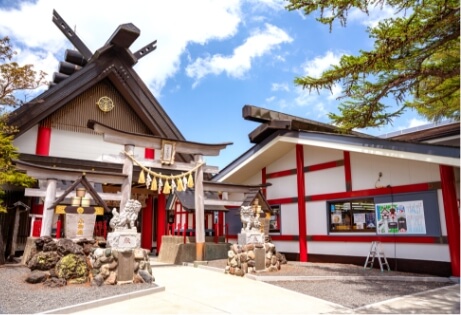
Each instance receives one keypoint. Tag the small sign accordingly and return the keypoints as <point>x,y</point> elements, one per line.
<point>168,152</point>
<point>80,225</point>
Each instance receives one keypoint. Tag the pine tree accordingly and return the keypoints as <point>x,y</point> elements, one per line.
<point>415,62</point>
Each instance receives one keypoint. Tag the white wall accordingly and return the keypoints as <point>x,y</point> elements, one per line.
<point>289,219</point>
<point>282,187</point>
<point>286,162</point>
<point>325,181</point>
<point>26,143</point>
<point>317,222</point>
<point>365,170</point>
<point>318,155</point>
<point>82,146</point>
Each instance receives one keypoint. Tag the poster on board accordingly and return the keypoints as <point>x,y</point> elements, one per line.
<point>406,217</point>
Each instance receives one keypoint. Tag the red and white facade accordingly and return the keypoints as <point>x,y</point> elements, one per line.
<point>310,173</point>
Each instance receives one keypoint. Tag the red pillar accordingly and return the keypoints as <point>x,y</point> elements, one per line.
<point>451,216</point>
<point>146,228</point>
<point>264,180</point>
<point>347,170</point>
<point>301,203</point>
<point>161,219</point>
<point>43,141</point>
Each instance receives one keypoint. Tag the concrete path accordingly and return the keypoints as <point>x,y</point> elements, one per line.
<point>189,290</point>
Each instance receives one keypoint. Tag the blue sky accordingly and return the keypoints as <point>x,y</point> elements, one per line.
<point>212,57</point>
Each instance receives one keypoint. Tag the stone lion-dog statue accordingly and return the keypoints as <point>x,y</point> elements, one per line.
<point>127,217</point>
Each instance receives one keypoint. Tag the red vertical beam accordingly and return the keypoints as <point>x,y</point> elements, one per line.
<point>43,141</point>
<point>146,228</point>
<point>221,222</point>
<point>347,170</point>
<point>149,153</point>
<point>451,215</point>
<point>301,203</point>
<point>264,180</point>
<point>161,219</point>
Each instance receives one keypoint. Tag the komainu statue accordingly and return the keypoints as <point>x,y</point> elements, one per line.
<point>127,217</point>
<point>250,218</point>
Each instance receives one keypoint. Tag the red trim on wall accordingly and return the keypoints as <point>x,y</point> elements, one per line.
<point>371,238</point>
<point>450,205</point>
<point>360,239</point>
<point>361,193</point>
<point>146,224</point>
<point>323,166</point>
<point>310,168</point>
<point>161,220</point>
<point>43,141</point>
<point>301,203</point>
<point>149,154</point>
<point>281,174</point>
<point>284,237</point>
<point>282,201</point>
<point>347,170</point>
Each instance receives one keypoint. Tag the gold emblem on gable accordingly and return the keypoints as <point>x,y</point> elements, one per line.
<point>106,104</point>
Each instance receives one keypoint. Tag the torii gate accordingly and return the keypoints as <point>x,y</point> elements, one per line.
<point>198,150</point>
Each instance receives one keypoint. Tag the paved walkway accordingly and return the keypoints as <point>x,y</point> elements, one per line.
<point>211,292</point>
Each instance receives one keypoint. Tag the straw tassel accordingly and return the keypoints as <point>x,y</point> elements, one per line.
<point>190,181</point>
<point>179,185</point>
<point>154,185</point>
<point>166,188</point>
<point>142,178</point>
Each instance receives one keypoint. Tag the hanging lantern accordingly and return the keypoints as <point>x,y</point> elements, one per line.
<point>190,181</point>
<point>141,179</point>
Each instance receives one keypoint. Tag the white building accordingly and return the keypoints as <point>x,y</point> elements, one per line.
<point>333,194</point>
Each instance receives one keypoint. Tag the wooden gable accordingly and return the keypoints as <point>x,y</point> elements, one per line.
<point>108,72</point>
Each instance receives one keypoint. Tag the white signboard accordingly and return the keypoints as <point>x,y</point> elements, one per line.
<point>80,225</point>
<point>405,217</point>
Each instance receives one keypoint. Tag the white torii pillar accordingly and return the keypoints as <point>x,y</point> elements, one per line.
<point>128,171</point>
<point>199,210</point>
<point>47,219</point>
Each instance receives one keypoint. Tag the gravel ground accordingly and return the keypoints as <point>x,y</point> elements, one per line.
<point>348,285</point>
<point>19,297</point>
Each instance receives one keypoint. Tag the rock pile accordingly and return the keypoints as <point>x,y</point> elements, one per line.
<point>242,259</point>
<point>60,262</point>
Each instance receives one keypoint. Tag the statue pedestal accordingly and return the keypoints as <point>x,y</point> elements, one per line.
<point>250,237</point>
<point>124,239</point>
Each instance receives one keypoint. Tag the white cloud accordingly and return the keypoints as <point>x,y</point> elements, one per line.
<point>173,27</point>
<point>375,15</point>
<point>270,99</point>
<point>280,87</point>
<point>415,122</point>
<point>315,67</point>
<point>236,65</point>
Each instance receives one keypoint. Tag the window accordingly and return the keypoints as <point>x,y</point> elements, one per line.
<point>352,215</point>
<point>274,223</point>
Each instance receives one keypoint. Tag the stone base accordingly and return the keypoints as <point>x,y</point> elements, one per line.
<point>125,240</point>
<point>250,237</point>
